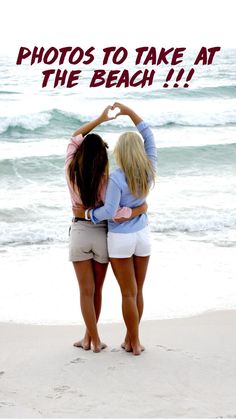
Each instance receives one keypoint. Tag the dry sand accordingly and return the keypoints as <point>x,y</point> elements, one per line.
<point>188,370</point>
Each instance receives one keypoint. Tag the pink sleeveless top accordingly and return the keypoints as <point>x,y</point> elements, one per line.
<point>76,201</point>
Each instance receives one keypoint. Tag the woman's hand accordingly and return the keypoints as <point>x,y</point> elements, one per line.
<point>89,126</point>
<point>141,209</point>
<point>125,110</point>
<point>106,115</point>
<point>79,211</point>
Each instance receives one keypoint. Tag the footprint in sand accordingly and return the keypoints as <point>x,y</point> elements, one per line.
<point>61,389</point>
<point>167,349</point>
<point>180,351</point>
<point>77,360</point>
<point>227,416</point>
<point>2,404</point>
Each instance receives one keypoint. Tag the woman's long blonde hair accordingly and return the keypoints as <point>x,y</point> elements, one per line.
<point>132,159</point>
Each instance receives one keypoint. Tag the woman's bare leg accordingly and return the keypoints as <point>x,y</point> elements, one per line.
<point>99,270</point>
<point>124,272</point>
<point>140,269</point>
<point>85,276</point>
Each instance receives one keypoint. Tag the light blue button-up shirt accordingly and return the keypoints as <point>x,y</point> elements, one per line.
<point>119,195</point>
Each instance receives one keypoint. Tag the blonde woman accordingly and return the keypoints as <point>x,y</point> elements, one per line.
<point>129,241</point>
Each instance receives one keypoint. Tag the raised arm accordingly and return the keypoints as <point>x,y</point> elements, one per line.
<point>125,110</point>
<point>79,134</point>
<point>143,128</point>
<point>89,126</point>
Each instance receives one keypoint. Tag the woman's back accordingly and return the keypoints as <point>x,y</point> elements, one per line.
<point>83,186</point>
<point>119,194</point>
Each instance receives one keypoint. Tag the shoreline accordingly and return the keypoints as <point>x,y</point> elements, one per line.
<point>80,323</point>
<point>187,370</point>
<point>187,286</point>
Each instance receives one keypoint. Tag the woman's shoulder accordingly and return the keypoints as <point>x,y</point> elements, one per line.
<point>117,175</point>
<point>77,139</point>
<point>72,147</point>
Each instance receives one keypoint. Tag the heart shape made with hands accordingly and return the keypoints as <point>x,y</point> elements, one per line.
<point>112,113</point>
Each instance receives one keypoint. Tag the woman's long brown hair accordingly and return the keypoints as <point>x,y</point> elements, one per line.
<point>88,167</point>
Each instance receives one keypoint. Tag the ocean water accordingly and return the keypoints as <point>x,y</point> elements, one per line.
<point>192,209</point>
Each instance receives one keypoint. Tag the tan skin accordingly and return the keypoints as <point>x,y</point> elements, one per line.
<point>130,274</point>
<point>91,274</point>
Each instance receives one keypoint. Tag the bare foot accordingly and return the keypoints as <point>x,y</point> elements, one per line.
<point>137,349</point>
<point>84,344</point>
<point>127,346</point>
<point>99,347</point>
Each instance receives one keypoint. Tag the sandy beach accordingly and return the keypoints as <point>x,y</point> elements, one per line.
<point>188,370</point>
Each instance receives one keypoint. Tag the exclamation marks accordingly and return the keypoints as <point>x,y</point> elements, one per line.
<point>179,77</point>
<point>169,75</point>
<point>189,76</point>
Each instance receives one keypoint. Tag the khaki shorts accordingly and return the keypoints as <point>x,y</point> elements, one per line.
<point>88,241</point>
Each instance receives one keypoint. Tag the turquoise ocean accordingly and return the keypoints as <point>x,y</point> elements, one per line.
<point>192,209</point>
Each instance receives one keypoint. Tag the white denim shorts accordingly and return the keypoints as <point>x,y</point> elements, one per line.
<point>88,241</point>
<point>125,245</point>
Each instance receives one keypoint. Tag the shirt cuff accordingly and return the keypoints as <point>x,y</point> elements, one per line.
<point>93,218</point>
<point>141,126</point>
